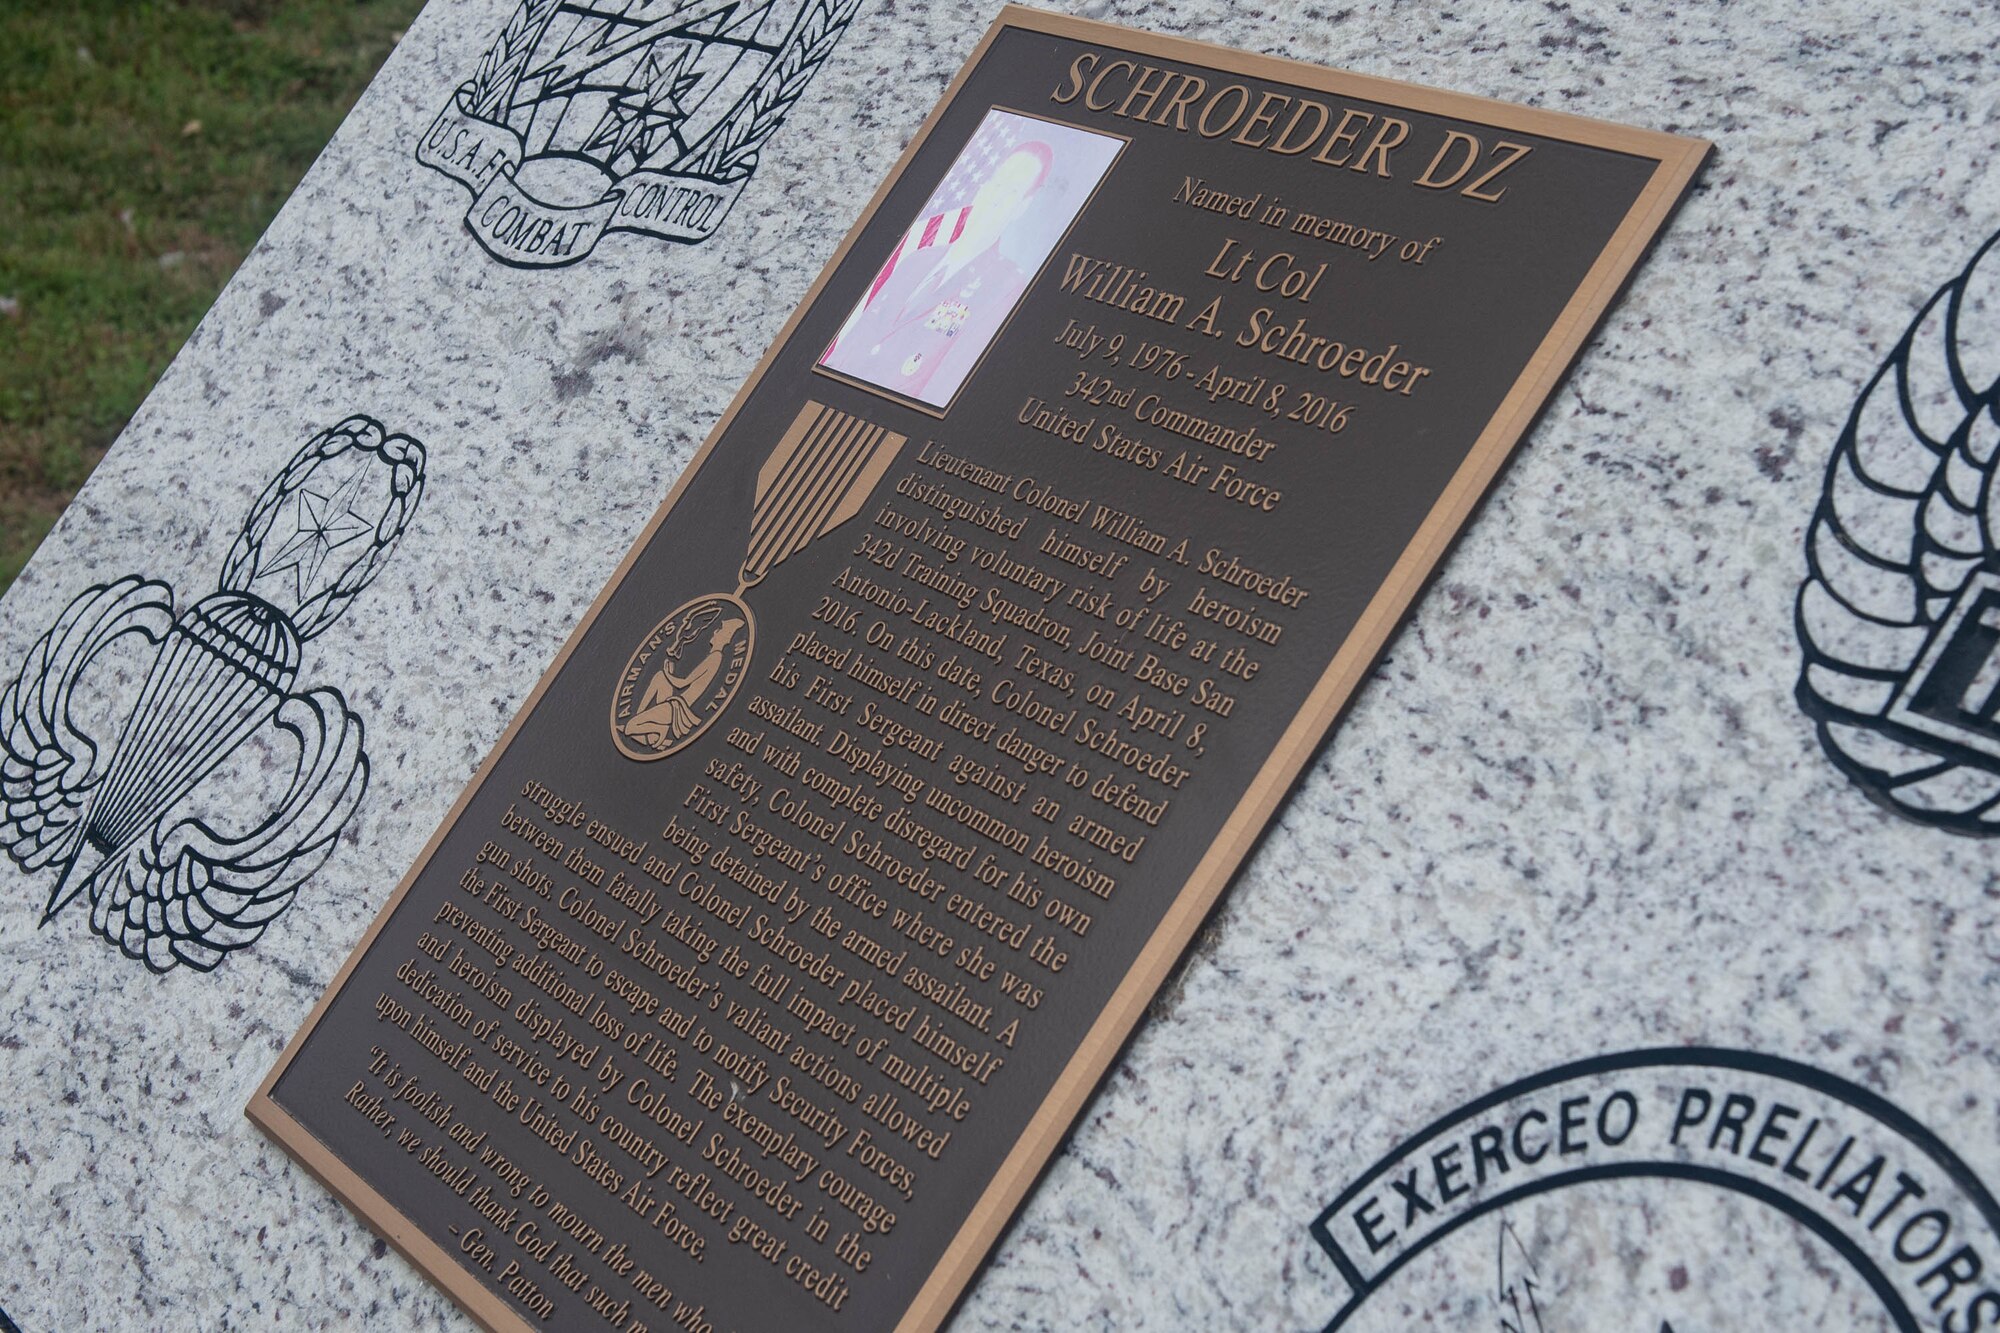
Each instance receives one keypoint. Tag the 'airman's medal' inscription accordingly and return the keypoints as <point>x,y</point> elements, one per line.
<point>681,677</point>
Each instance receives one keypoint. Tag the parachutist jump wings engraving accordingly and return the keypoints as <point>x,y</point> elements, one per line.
<point>112,807</point>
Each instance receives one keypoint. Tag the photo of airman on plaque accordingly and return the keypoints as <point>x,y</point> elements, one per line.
<point>961,268</point>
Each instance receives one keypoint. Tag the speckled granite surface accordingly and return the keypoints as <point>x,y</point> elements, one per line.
<point>1577,812</point>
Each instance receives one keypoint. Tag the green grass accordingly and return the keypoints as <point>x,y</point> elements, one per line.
<point>143,149</point>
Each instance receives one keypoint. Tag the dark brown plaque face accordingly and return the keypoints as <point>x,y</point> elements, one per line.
<point>773,950</point>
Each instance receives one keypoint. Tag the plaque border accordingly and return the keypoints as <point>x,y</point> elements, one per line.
<point>1676,159</point>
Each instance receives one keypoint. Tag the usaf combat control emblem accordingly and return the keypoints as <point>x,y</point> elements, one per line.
<point>1683,1190</point>
<point>129,797</point>
<point>1900,612</point>
<point>624,115</point>
<point>685,671</point>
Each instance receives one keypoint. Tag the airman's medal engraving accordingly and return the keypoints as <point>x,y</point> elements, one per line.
<point>1899,616</point>
<point>114,809</point>
<point>683,675</point>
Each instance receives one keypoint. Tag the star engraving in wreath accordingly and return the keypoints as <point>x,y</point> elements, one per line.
<point>106,792</point>
<point>1899,615</point>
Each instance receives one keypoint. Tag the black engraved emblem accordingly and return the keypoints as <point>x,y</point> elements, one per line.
<point>1829,1199</point>
<point>1899,615</point>
<point>642,116</point>
<point>107,792</point>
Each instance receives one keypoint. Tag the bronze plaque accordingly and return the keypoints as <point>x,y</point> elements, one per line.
<point>776,946</point>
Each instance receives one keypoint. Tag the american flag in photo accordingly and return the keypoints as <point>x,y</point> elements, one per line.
<point>951,205</point>
<point>996,137</point>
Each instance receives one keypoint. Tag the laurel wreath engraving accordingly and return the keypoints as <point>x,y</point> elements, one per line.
<point>105,786</point>
<point>731,151</point>
<point>507,59</point>
<point>1904,528</point>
